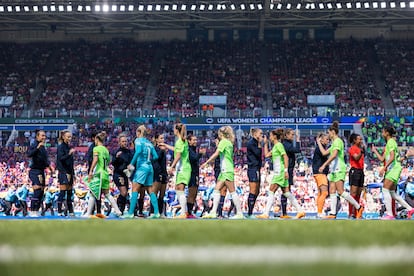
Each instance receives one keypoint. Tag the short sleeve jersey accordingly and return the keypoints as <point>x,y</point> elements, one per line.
<point>103,158</point>
<point>392,146</point>
<point>278,151</point>
<point>225,148</point>
<point>184,162</point>
<point>338,164</point>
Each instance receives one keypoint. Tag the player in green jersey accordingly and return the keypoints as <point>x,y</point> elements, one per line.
<point>99,172</point>
<point>392,170</point>
<point>280,162</point>
<point>181,164</point>
<point>226,176</point>
<point>337,172</point>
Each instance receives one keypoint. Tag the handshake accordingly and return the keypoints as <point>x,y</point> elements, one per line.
<point>129,170</point>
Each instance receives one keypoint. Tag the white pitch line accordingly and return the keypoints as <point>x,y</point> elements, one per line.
<point>248,255</point>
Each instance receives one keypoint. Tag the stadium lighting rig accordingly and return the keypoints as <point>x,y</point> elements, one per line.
<point>163,6</point>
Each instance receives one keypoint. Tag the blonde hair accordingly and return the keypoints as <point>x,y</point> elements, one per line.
<point>61,134</point>
<point>227,132</point>
<point>142,130</point>
<point>182,130</point>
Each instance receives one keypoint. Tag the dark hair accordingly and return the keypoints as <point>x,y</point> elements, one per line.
<point>93,134</point>
<point>101,136</point>
<point>37,131</point>
<point>279,133</point>
<point>390,129</point>
<point>353,137</point>
<point>182,130</point>
<point>334,127</point>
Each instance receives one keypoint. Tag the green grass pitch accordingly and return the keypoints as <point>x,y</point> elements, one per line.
<point>170,233</point>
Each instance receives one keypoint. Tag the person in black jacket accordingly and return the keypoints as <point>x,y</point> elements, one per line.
<point>194,157</point>
<point>291,147</point>
<point>40,161</point>
<point>120,160</point>
<point>160,170</point>
<point>65,166</point>
<point>254,164</point>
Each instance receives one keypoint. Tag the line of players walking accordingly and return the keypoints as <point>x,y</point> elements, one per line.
<point>146,168</point>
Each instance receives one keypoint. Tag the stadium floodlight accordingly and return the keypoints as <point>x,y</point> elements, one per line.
<point>321,6</point>
<point>338,6</point>
<point>366,5</point>
<point>210,7</point>
<point>193,7</point>
<point>80,8</point>
<point>349,5</point>
<point>97,8</point>
<point>141,8</point>
<point>1,9</point>
<point>329,6</point>
<point>242,7</point>
<point>279,6</point>
<point>149,7</point>
<point>61,8</point>
<point>403,5</point>
<point>392,5</point>
<point>114,8</point>
<point>69,8</point>
<point>232,7</point>
<point>158,7</point>
<point>17,8</point>
<point>260,6</point>
<point>130,8</point>
<point>183,7</point>
<point>218,7</point>
<point>375,5</point>
<point>174,7</point>
<point>45,8</point>
<point>202,7</point>
<point>166,7</point>
<point>358,5</point>
<point>272,6</point>
<point>35,8</point>
<point>252,6</point>
<point>122,8</point>
<point>313,6</point>
<point>52,8</point>
<point>411,4</point>
<point>88,8</point>
<point>9,8</point>
<point>288,6</point>
<point>223,7</point>
<point>298,6</point>
<point>105,8</point>
<point>26,8</point>
<point>384,5</point>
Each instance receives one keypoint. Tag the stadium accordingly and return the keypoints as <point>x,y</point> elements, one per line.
<point>235,71</point>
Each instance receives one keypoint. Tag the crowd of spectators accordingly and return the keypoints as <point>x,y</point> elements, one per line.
<point>115,75</point>
<point>299,69</point>
<point>227,69</point>
<point>397,64</point>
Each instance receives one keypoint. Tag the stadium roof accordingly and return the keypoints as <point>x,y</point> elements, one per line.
<point>125,15</point>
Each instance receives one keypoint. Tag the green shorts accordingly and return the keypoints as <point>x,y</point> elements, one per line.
<point>280,180</point>
<point>183,178</point>
<point>337,176</point>
<point>394,174</point>
<point>223,176</point>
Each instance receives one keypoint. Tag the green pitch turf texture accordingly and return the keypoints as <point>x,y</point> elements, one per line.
<point>170,233</point>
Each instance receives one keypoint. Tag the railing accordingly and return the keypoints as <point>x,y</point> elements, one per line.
<point>218,112</point>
